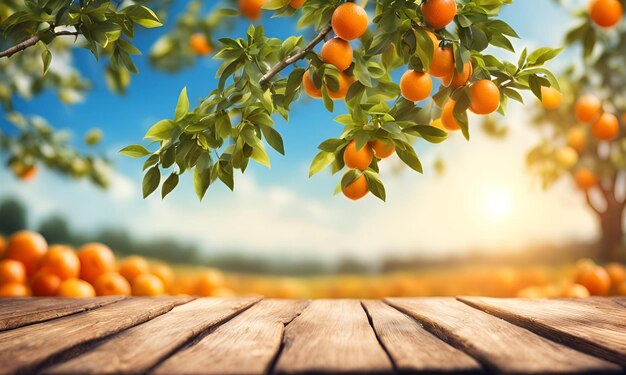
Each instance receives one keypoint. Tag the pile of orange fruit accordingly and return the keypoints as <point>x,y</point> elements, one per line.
<point>29,267</point>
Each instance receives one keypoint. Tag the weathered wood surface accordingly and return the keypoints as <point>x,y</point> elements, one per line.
<point>138,349</point>
<point>596,326</point>
<point>247,344</point>
<point>18,312</point>
<point>27,348</point>
<point>332,336</point>
<point>411,347</point>
<point>497,344</point>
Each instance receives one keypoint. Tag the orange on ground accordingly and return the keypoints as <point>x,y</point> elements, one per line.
<point>147,285</point>
<point>415,86</point>
<point>337,52</point>
<point>345,81</point>
<point>133,266</point>
<point>95,260</point>
<point>14,290</point>
<point>251,8</point>
<point>617,274</point>
<point>596,280</point>
<point>585,179</point>
<point>550,97</point>
<point>62,261</point>
<point>223,292</point>
<point>349,21</point>
<point>296,3</point>
<point>484,97</point>
<point>199,44</point>
<point>606,13</point>
<point>576,139</point>
<point>45,284</point>
<point>76,288</point>
<point>12,271</point>
<point>456,79</point>
<point>587,108</point>
<point>165,273</point>
<point>309,86</point>
<point>439,13</point>
<point>576,291</point>
<point>621,289</point>
<point>606,127</point>
<point>207,282</point>
<point>111,284</point>
<point>447,116</point>
<point>358,159</point>
<point>27,247</point>
<point>357,189</point>
<point>3,245</point>
<point>382,149</point>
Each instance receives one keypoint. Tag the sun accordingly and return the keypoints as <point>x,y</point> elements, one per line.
<point>498,203</point>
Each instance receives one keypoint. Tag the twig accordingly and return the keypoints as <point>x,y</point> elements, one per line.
<point>294,58</point>
<point>31,42</point>
<point>590,203</point>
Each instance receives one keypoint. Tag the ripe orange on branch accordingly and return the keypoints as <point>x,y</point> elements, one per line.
<point>337,52</point>
<point>606,127</point>
<point>357,189</point>
<point>349,21</point>
<point>415,86</point>
<point>345,81</point>
<point>382,149</point>
<point>576,139</point>
<point>296,3</point>
<point>442,64</point>
<point>587,108</point>
<point>199,44</point>
<point>251,8</point>
<point>456,79</point>
<point>447,115</point>
<point>550,97</point>
<point>484,97</point>
<point>358,159</point>
<point>585,179</point>
<point>606,13</point>
<point>439,13</point>
<point>309,86</point>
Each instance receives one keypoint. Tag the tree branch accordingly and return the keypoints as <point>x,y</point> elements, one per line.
<point>31,42</point>
<point>294,58</point>
<point>590,203</point>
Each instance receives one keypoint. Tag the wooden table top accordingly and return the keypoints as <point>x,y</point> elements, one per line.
<point>173,335</point>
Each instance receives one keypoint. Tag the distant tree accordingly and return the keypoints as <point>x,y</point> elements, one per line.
<point>56,230</point>
<point>12,216</point>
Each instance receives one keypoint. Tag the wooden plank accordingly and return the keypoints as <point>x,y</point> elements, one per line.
<point>595,326</point>
<point>411,347</point>
<point>332,336</point>
<point>138,349</point>
<point>620,301</point>
<point>28,348</point>
<point>497,344</point>
<point>18,312</point>
<point>246,344</point>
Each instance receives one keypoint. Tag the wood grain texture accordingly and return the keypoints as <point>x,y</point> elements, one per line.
<point>497,344</point>
<point>138,349</point>
<point>596,326</point>
<point>246,344</point>
<point>18,312</point>
<point>26,349</point>
<point>412,348</point>
<point>620,301</point>
<point>332,336</point>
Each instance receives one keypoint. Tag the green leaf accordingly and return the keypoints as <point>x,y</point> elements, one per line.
<point>182,107</point>
<point>260,156</point>
<point>46,57</point>
<point>142,16</point>
<point>135,151</point>
<point>321,161</point>
<point>409,157</point>
<point>273,138</point>
<point>161,131</point>
<point>201,181</point>
<point>169,185</point>
<point>375,185</point>
<point>151,181</point>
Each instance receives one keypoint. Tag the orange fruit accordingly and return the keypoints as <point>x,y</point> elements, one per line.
<point>357,189</point>
<point>585,179</point>
<point>28,174</point>
<point>207,282</point>
<point>296,3</point>
<point>447,116</point>
<point>587,108</point>
<point>111,284</point>
<point>27,247</point>
<point>75,288</point>
<point>415,86</point>
<point>606,127</point>
<point>45,284</point>
<point>382,149</point>
<point>133,266</point>
<point>621,289</point>
<point>14,290</point>
<point>550,97</point>
<point>360,159</point>
<point>147,285</point>
<point>3,245</point>
<point>251,8</point>
<point>606,13</point>
<point>349,21</point>
<point>456,79</point>
<point>596,280</point>
<point>12,271</point>
<point>345,81</point>
<point>164,273</point>
<point>309,86</point>
<point>61,261</point>
<point>576,139</point>
<point>484,97</point>
<point>95,260</point>
<point>576,291</point>
<point>337,52</point>
<point>442,64</point>
<point>617,274</point>
<point>439,13</point>
<point>199,44</point>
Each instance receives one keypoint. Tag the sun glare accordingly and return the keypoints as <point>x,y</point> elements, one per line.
<point>498,203</point>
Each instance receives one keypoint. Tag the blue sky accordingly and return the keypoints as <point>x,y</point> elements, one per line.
<point>281,210</point>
